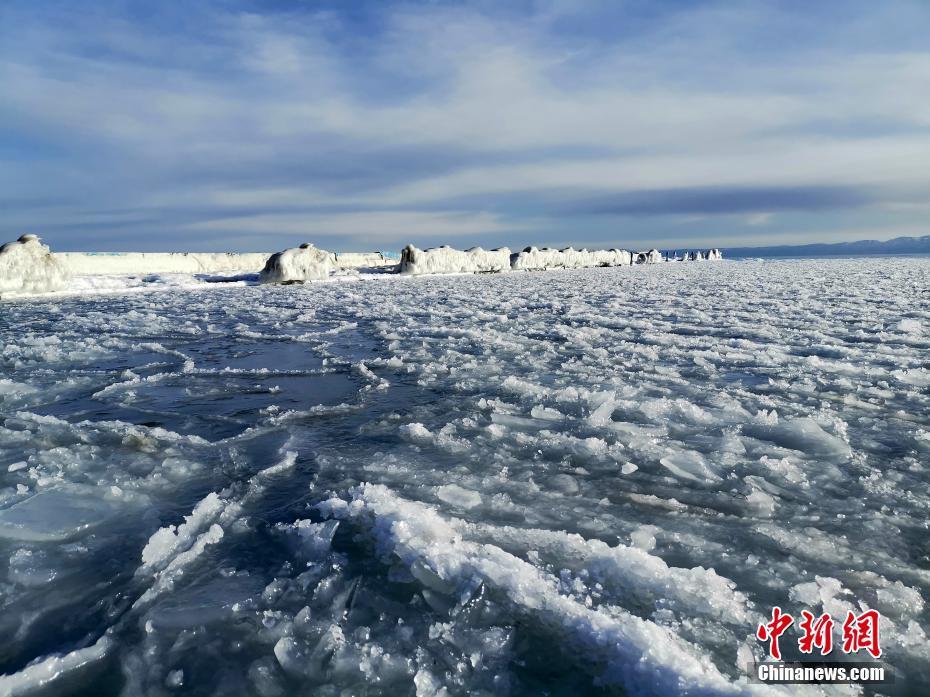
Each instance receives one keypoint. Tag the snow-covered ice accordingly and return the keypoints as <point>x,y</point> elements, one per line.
<point>444,259</point>
<point>28,266</point>
<point>596,481</point>
<point>303,263</point>
<point>534,258</point>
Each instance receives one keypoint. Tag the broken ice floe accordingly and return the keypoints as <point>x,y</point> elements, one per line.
<point>54,515</point>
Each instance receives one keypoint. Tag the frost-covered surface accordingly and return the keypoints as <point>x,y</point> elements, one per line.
<point>27,266</point>
<point>587,482</point>
<point>303,263</point>
<point>535,259</point>
<point>444,259</point>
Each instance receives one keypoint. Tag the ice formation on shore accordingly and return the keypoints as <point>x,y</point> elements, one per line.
<point>126,263</point>
<point>653,256</point>
<point>444,259</point>
<point>28,266</point>
<point>298,264</point>
<point>707,255</point>
<point>535,259</point>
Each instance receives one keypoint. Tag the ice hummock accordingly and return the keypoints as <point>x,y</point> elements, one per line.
<point>298,264</point>
<point>536,259</point>
<point>28,266</point>
<point>444,259</point>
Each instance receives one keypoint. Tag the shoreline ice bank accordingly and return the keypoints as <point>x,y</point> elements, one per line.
<point>47,272</point>
<point>444,259</point>
<point>534,259</point>
<point>126,263</point>
<point>28,266</point>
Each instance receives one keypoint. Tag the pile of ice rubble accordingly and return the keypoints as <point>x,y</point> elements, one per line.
<point>27,266</point>
<point>444,259</point>
<point>299,264</point>
<point>533,259</point>
<point>447,260</point>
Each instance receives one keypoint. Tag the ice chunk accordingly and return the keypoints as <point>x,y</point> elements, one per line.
<point>167,541</point>
<point>802,434</point>
<point>689,465</point>
<point>28,266</point>
<point>918,377</point>
<point>910,326</point>
<point>314,539</point>
<point>447,260</point>
<point>53,515</point>
<point>459,496</point>
<point>203,604</point>
<point>303,263</point>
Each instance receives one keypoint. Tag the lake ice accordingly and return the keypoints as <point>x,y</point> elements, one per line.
<point>570,482</point>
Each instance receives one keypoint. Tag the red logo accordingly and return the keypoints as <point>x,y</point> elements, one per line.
<point>818,632</point>
<point>860,632</point>
<point>770,631</point>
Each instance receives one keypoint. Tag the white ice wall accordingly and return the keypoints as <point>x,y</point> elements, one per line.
<point>128,263</point>
<point>135,263</point>
<point>447,260</point>
<point>533,258</point>
<point>356,260</point>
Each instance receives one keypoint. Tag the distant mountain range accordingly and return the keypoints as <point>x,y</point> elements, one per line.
<point>899,245</point>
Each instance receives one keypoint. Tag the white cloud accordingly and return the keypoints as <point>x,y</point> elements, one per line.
<point>252,111</point>
<point>373,225</point>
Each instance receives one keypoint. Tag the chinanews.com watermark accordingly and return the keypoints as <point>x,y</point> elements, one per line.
<point>859,637</point>
<point>822,673</point>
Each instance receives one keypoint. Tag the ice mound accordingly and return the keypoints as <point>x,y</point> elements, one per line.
<point>653,256</point>
<point>298,264</point>
<point>534,259</point>
<point>53,516</point>
<point>709,255</point>
<point>27,266</point>
<point>447,260</point>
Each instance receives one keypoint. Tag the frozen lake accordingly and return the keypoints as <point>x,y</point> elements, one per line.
<point>562,483</point>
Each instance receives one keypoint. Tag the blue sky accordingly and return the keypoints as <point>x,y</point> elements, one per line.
<point>247,125</point>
